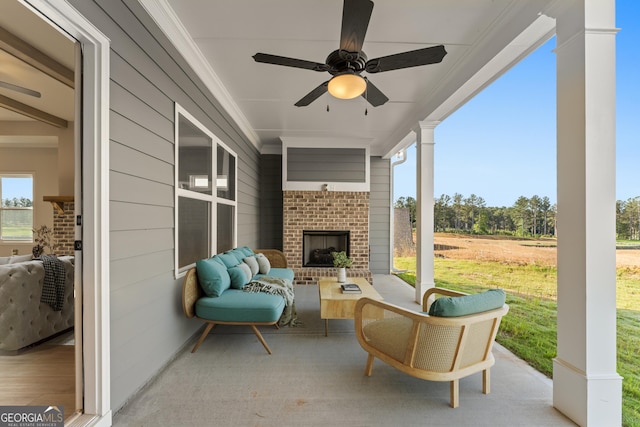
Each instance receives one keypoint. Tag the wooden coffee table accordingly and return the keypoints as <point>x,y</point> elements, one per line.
<point>336,305</point>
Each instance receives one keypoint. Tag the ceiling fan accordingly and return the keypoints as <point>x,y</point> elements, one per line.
<point>20,89</point>
<point>348,62</point>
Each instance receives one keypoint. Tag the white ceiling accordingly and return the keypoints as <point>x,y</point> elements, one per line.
<point>57,98</point>
<point>228,33</point>
<point>219,38</point>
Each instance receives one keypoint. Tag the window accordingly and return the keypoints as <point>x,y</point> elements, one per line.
<point>16,207</point>
<point>205,193</point>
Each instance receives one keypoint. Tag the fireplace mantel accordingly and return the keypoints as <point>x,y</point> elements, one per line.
<point>58,202</point>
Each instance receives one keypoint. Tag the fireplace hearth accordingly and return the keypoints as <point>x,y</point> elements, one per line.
<point>318,245</point>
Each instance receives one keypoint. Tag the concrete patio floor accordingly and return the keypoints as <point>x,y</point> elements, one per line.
<point>313,380</point>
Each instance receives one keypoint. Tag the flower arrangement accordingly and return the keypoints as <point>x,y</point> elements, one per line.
<point>43,238</point>
<point>341,260</point>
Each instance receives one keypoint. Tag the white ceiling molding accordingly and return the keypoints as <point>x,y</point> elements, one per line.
<point>164,16</point>
<point>529,40</point>
<point>28,141</point>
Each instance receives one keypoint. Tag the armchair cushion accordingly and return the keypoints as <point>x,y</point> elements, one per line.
<point>468,304</point>
<point>390,336</point>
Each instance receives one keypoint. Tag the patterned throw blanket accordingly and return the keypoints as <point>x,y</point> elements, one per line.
<point>53,286</point>
<point>278,286</point>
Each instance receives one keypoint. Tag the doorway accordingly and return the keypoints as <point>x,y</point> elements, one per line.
<point>40,138</point>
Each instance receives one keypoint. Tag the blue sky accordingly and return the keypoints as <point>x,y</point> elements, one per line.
<point>499,147</point>
<point>17,187</point>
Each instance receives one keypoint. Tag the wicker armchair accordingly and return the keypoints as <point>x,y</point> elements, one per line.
<point>429,347</point>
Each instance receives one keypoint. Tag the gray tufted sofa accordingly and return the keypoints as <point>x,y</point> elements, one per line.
<point>24,320</point>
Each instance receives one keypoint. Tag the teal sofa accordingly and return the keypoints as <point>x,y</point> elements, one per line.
<point>213,290</point>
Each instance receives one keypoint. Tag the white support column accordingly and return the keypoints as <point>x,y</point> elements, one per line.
<point>424,207</point>
<point>586,386</point>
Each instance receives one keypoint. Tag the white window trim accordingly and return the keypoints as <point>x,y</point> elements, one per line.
<point>213,197</point>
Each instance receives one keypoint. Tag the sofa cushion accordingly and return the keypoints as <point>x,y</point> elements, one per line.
<point>217,259</point>
<point>239,306</point>
<point>20,258</point>
<point>252,262</point>
<point>213,278</point>
<point>468,304</point>
<point>283,273</point>
<point>246,250</point>
<point>263,263</point>
<point>229,260</point>
<point>238,253</point>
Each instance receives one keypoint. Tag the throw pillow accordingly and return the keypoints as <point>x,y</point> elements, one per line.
<point>238,277</point>
<point>468,304</point>
<point>263,263</point>
<point>229,260</point>
<point>252,262</point>
<point>247,271</point>
<point>213,277</point>
<point>4,260</point>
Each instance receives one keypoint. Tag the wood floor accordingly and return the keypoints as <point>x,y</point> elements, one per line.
<point>43,375</point>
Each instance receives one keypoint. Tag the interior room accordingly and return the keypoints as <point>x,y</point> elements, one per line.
<point>37,172</point>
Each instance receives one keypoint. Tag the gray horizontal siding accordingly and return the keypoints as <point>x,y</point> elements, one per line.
<point>326,164</point>
<point>380,216</point>
<point>147,76</point>
<point>271,215</point>
<point>133,243</point>
<point>129,133</point>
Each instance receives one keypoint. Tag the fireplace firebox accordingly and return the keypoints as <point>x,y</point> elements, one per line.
<point>317,246</point>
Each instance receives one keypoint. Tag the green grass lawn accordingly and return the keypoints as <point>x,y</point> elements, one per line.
<point>16,232</point>
<point>529,329</point>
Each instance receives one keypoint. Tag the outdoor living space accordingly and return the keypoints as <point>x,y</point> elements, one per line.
<point>317,380</point>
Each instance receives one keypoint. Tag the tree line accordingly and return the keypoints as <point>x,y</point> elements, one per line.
<point>533,216</point>
<point>21,202</point>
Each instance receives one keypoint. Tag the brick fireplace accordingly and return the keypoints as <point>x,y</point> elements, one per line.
<point>326,211</point>
<point>63,223</point>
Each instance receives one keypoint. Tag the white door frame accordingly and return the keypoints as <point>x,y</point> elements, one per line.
<point>95,205</point>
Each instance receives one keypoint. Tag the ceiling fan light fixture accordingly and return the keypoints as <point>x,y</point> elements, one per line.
<point>347,86</point>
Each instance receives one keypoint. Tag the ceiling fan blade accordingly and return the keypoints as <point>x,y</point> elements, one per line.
<point>289,62</point>
<point>374,95</point>
<point>355,21</point>
<point>20,89</point>
<point>413,58</point>
<point>313,95</point>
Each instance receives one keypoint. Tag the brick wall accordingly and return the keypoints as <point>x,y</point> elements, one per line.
<point>326,210</point>
<point>63,228</point>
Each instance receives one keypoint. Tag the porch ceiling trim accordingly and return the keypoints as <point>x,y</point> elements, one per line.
<point>166,19</point>
<point>539,32</point>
